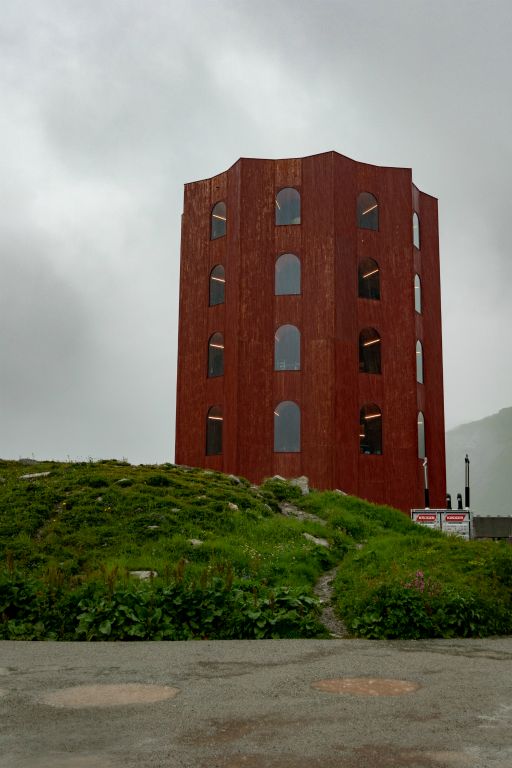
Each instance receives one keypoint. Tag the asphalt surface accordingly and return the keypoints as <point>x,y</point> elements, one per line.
<point>253,704</point>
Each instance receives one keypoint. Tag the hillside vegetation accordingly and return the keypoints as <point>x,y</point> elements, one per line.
<point>224,561</point>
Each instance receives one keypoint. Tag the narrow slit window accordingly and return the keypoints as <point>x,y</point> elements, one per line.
<point>288,206</point>
<point>416,230</point>
<point>217,285</point>
<point>369,279</point>
<point>214,422</point>
<point>421,436</point>
<point>417,294</point>
<point>219,220</point>
<point>216,355</point>
<point>367,211</point>
<point>370,430</point>
<point>369,351</point>
<point>287,275</point>
<point>419,362</point>
<point>287,348</point>
<point>287,427</point>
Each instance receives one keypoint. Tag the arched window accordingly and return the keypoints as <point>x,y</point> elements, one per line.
<point>214,421</point>
<point>216,355</point>
<point>217,285</point>
<point>288,206</point>
<point>287,349</point>
<point>421,436</point>
<point>416,229</point>
<point>367,211</point>
<point>370,429</point>
<point>369,351</point>
<point>417,293</point>
<point>419,362</point>
<point>287,427</point>
<point>219,221</point>
<point>369,279</point>
<point>287,275</point>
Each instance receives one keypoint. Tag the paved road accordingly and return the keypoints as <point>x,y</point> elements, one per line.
<point>251,704</point>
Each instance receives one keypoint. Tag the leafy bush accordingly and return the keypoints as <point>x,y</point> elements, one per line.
<point>380,598</point>
<point>32,610</point>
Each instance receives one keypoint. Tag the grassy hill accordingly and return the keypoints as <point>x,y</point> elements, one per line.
<point>489,445</point>
<point>225,562</point>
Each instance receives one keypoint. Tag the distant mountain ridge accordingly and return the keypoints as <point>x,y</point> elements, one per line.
<point>488,442</point>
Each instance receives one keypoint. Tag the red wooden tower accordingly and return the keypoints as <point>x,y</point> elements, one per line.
<point>310,328</point>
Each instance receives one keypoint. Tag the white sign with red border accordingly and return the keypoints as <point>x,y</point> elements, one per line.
<point>456,522</point>
<point>430,518</point>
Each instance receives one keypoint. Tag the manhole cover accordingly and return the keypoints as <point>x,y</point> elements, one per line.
<point>366,686</point>
<point>109,695</point>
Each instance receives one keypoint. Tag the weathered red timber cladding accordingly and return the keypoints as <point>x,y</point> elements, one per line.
<point>232,300</point>
<point>255,319</point>
<point>329,388</point>
<point>346,406</point>
<point>318,295</point>
<point>393,475</point>
<point>191,385</point>
<point>427,261</point>
<point>287,385</point>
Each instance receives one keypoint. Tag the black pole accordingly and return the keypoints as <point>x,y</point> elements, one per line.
<point>448,501</point>
<point>459,501</point>
<point>427,493</point>
<point>467,483</point>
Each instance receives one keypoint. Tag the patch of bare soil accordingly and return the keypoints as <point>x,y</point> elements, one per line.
<point>323,590</point>
<point>79,696</point>
<point>366,686</point>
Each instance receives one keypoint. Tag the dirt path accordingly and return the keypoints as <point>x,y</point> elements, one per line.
<point>323,588</point>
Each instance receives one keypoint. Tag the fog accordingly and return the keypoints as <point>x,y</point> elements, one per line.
<point>109,108</point>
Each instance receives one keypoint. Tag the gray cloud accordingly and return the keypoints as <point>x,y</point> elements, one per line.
<point>108,108</point>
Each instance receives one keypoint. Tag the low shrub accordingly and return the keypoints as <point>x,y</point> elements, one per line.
<point>182,610</point>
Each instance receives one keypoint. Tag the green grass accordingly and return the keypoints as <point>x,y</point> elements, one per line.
<point>86,516</point>
<point>405,581</point>
<point>69,540</point>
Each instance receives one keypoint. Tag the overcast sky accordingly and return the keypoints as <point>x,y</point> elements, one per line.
<point>109,106</point>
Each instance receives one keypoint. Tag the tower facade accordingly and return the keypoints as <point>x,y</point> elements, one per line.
<point>310,328</point>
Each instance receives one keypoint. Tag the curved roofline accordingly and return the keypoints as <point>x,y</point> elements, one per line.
<point>305,157</point>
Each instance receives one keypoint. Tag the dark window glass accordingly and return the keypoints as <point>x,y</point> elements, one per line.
<point>367,211</point>
<point>369,351</point>
<point>287,274</point>
<point>416,230</point>
<point>288,206</point>
<point>217,285</point>
<point>421,436</point>
<point>216,355</point>
<point>214,422</point>
<point>370,429</point>
<point>417,293</point>
<point>419,362</point>
<point>219,220</point>
<point>369,279</point>
<point>287,349</point>
<point>287,427</point>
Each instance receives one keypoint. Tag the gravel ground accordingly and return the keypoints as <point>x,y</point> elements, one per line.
<point>257,704</point>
